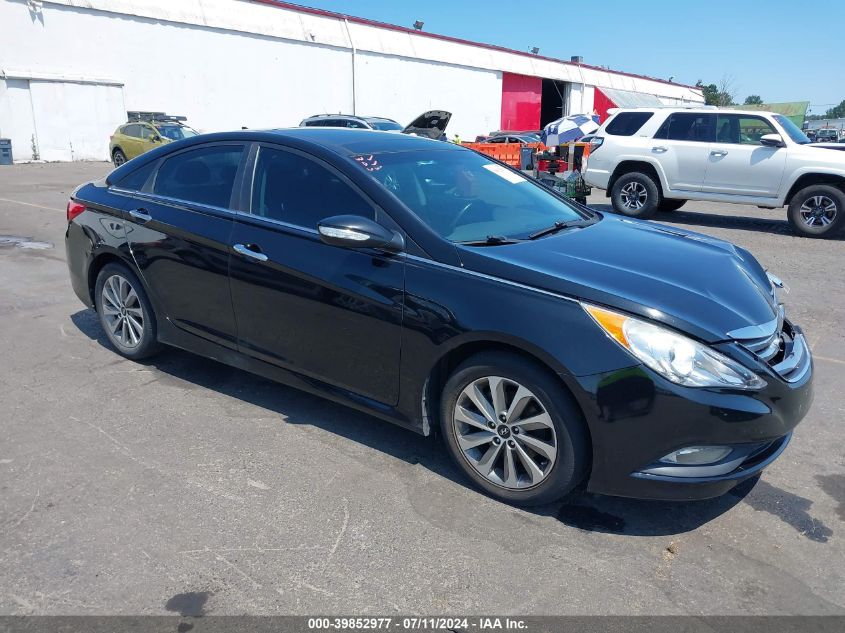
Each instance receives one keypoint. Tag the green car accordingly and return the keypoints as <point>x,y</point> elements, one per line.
<point>145,131</point>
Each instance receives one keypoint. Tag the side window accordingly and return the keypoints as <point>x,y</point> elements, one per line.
<point>315,123</point>
<point>741,130</point>
<point>687,126</point>
<point>355,124</point>
<point>138,178</point>
<point>205,175</point>
<point>297,190</point>
<point>146,132</point>
<point>627,123</point>
<point>133,130</point>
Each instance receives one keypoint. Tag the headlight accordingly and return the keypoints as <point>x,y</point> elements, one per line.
<point>672,355</point>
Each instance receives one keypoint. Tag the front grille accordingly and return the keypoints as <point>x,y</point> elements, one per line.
<point>785,351</point>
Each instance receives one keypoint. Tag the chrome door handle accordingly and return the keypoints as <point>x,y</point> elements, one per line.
<point>248,252</point>
<point>141,215</point>
<point>719,152</point>
<point>659,148</point>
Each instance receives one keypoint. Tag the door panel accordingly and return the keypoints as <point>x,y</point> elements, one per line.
<point>681,146</point>
<point>330,313</point>
<point>738,163</point>
<point>180,240</point>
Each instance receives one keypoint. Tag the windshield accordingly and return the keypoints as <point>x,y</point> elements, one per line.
<point>175,132</point>
<point>792,130</point>
<point>466,197</point>
<point>384,124</point>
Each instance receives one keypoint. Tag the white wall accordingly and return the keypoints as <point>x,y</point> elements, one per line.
<point>402,89</point>
<point>231,63</point>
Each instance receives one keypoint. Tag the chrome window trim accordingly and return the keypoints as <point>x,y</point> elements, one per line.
<point>279,223</point>
<point>199,206</point>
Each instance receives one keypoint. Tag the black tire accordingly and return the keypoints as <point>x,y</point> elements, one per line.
<point>118,158</point>
<point>570,435</point>
<point>109,311</point>
<point>670,204</point>
<point>623,198</point>
<point>817,211</point>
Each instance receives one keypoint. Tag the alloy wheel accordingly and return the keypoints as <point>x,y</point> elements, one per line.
<point>122,311</point>
<point>634,196</point>
<point>505,432</point>
<point>818,211</point>
<point>119,159</point>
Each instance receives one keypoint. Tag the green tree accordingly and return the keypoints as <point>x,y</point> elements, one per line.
<point>753,100</point>
<point>718,95</point>
<point>836,112</point>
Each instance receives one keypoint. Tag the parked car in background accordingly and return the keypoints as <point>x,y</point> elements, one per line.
<point>431,286</point>
<point>827,135</point>
<point>352,121</point>
<point>145,131</point>
<point>431,124</point>
<point>513,138</point>
<point>655,159</point>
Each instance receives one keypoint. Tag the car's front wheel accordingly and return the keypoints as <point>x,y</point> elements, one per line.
<point>118,157</point>
<point>817,211</point>
<point>513,429</point>
<point>636,195</point>
<point>125,312</point>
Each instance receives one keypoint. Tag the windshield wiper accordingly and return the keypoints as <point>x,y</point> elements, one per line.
<point>557,226</point>
<point>491,240</point>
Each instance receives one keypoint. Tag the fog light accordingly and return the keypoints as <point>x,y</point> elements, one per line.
<point>697,455</point>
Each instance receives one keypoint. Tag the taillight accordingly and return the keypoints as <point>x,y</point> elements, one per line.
<point>74,209</point>
<point>596,142</point>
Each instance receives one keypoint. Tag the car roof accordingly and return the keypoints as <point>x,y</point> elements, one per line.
<point>320,141</point>
<point>697,109</point>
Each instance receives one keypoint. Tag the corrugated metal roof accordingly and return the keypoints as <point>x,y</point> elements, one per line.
<point>788,108</point>
<point>628,99</point>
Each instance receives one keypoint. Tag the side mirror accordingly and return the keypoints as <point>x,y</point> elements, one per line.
<point>772,140</point>
<point>155,138</point>
<point>355,231</point>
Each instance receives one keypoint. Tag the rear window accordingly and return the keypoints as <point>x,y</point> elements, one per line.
<point>627,123</point>
<point>205,175</point>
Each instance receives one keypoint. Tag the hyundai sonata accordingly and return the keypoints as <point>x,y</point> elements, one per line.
<point>428,285</point>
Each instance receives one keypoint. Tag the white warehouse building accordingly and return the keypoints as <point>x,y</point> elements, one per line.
<point>71,69</point>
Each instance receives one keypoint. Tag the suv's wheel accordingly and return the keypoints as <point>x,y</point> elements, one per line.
<point>118,157</point>
<point>125,312</point>
<point>817,211</point>
<point>635,195</point>
<point>513,429</point>
<point>668,204</point>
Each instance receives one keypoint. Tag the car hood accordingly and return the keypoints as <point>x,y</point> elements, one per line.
<point>698,284</point>
<point>431,124</point>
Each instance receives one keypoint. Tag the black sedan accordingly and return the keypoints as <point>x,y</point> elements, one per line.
<point>433,287</point>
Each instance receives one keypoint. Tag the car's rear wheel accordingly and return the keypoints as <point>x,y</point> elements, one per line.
<point>118,157</point>
<point>817,211</point>
<point>636,195</point>
<point>670,204</point>
<point>513,429</point>
<point>125,312</point>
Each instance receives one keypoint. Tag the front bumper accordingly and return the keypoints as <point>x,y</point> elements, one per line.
<point>636,417</point>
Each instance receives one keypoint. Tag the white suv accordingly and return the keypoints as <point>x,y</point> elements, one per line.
<point>655,159</point>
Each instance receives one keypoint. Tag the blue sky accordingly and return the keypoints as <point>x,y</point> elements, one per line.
<point>783,50</point>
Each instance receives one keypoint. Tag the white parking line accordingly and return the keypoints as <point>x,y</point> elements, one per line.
<point>828,359</point>
<point>29,204</point>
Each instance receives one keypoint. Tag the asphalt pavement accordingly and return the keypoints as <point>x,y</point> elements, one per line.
<point>180,485</point>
